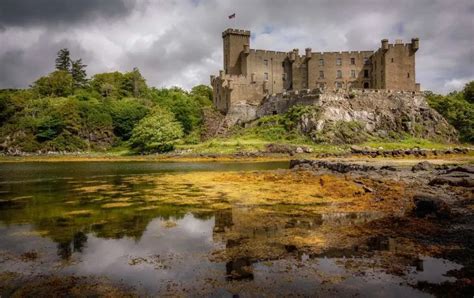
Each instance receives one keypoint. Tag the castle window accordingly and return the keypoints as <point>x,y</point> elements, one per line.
<point>265,62</point>
<point>339,61</point>
<point>366,73</point>
<point>321,74</point>
<point>339,74</point>
<point>366,60</point>
<point>353,73</point>
<point>392,60</point>
<point>265,76</point>
<point>321,62</point>
<point>408,75</point>
<point>353,61</point>
<point>338,85</point>
<point>366,85</point>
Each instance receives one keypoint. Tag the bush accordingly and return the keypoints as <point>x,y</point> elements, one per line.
<point>186,108</point>
<point>126,113</point>
<point>157,132</point>
<point>341,132</point>
<point>457,110</point>
<point>57,84</point>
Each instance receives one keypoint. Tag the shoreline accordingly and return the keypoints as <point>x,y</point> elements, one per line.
<point>261,157</point>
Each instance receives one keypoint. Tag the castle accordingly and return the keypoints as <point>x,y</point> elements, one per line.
<point>251,75</point>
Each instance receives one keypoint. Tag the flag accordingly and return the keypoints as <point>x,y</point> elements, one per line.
<point>232,16</point>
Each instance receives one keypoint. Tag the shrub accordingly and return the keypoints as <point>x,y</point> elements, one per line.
<point>457,110</point>
<point>56,84</point>
<point>158,132</point>
<point>126,113</point>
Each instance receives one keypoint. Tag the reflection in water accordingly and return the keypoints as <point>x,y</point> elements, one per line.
<point>173,234</point>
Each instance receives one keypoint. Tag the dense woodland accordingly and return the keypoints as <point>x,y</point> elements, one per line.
<point>67,111</point>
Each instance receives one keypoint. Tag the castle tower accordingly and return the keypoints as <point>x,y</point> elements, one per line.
<point>393,66</point>
<point>235,42</point>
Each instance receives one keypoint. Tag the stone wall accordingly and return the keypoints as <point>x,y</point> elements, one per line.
<point>255,74</point>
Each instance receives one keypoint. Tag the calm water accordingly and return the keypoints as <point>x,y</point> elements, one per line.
<point>126,222</point>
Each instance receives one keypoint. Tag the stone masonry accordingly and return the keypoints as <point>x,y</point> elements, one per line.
<point>250,76</point>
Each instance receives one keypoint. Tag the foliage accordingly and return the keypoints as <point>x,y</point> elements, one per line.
<point>56,84</point>
<point>158,132</point>
<point>126,113</point>
<point>202,90</point>
<point>78,73</point>
<point>118,85</point>
<point>186,107</point>
<point>458,110</point>
<point>63,60</point>
<point>341,132</point>
<point>468,92</point>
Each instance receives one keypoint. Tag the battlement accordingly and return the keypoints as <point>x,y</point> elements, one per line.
<point>414,45</point>
<point>250,75</point>
<point>257,51</point>
<point>344,53</point>
<point>236,32</point>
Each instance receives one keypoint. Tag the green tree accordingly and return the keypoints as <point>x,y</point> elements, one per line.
<point>158,132</point>
<point>49,128</point>
<point>126,113</point>
<point>457,111</point>
<point>56,84</point>
<point>202,90</point>
<point>187,108</point>
<point>134,84</point>
<point>63,60</point>
<point>78,72</point>
<point>468,92</point>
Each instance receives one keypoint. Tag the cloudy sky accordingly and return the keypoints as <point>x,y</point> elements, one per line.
<point>178,42</point>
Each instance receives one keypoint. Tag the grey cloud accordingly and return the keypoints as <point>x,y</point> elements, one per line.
<point>179,42</point>
<point>46,12</point>
<point>21,67</point>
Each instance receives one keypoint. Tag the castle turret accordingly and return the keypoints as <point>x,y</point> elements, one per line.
<point>308,53</point>
<point>415,44</point>
<point>235,42</point>
<point>385,45</point>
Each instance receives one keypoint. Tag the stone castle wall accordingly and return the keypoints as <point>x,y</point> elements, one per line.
<point>250,75</point>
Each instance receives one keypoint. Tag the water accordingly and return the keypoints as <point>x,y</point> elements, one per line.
<point>212,229</point>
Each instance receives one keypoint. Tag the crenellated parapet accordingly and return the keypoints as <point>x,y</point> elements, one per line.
<point>253,75</point>
<point>235,32</point>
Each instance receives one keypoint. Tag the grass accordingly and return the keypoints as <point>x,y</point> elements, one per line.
<point>409,143</point>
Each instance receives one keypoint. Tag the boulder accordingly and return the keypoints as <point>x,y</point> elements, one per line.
<point>428,205</point>
<point>422,166</point>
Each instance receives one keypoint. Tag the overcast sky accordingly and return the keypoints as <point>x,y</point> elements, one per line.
<point>178,42</point>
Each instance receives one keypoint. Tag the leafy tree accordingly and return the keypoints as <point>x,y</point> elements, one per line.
<point>134,83</point>
<point>202,90</point>
<point>187,109</point>
<point>457,110</point>
<point>78,72</point>
<point>468,92</point>
<point>108,84</point>
<point>56,84</point>
<point>126,113</point>
<point>49,128</point>
<point>63,60</point>
<point>157,132</point>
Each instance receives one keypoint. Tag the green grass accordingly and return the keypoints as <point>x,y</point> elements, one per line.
<point>409,143</point>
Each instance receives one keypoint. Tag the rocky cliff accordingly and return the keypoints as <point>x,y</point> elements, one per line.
<point>379,113</point>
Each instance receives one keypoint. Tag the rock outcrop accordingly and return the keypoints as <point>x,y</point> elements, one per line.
<point>379,113</point>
